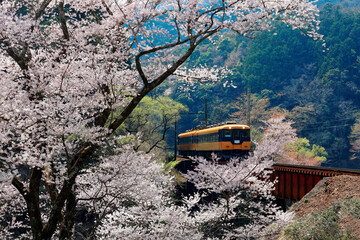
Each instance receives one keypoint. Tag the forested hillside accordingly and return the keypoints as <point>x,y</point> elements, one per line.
<point>316,85</point>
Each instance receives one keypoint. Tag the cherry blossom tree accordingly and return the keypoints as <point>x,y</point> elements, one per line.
<point>65,67</point>
<point>131,198</point>
<point>234,199</point>
<point>244,203</point>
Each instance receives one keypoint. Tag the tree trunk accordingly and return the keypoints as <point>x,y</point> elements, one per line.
<point>67,227</point>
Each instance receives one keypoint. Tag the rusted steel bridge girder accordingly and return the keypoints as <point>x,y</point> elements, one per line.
<point>294,181</point>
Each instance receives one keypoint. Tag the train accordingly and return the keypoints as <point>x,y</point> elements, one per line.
<point>225,140</point>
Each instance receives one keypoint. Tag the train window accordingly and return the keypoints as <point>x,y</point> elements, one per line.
<point>184,140</point>
<point>246,133</point>
<point>214,137</point>
<point>226,133</point>
<point>236,134</point>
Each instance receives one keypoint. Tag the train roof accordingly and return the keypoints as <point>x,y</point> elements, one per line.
<point>213,129</point>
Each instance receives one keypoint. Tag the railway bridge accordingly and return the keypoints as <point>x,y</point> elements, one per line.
<point>294,181</point>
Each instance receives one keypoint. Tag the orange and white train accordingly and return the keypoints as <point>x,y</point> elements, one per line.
<point>226,140</point>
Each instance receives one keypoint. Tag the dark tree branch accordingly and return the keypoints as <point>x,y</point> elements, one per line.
<point>50,186</point>
<point>43,5</point>
<point>63,20</point>
<point>31,197</point>
<point>177,30</point>
<point>56,209</point>
<point>97,19</point>
<point>19,58</point>
<point>75,164</point>
<point>107,8</point>
<point>140,71</point>
<point>20,187</point>
<point>34,204</point>
<point>66,230</point>
<point>149,87</point>
<point>162,136</point>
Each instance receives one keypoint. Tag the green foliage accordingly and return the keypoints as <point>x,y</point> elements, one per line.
<point>171,165</point>
<point>351,207</point>
<point>274,58</point>
<point>321,225</point>
<point>256,135</point>
<point>341,29</point>
<point>156,108</point>
<point>302,149</point>
<point>152,119</point>
<point>152,111</point>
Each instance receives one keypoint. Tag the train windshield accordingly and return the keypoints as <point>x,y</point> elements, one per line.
<point>246,133</point>
<point>226,133</point>
<point>240,135</point>
<point>236,135</point>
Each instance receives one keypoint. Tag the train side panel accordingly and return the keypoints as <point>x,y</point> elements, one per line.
<point>210,146</point>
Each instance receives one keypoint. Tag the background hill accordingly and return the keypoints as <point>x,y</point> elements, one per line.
<point>316,85</point>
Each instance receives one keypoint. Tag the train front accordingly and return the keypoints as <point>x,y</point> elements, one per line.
<point>234,140</point>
